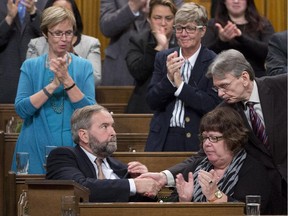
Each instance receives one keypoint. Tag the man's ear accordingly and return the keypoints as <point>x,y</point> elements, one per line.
<point>83,136</point>
<point>245,77</point>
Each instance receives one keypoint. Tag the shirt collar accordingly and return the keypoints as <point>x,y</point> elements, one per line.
<point>192,58</point>
<point>254,97</point>
<point>92,157</point>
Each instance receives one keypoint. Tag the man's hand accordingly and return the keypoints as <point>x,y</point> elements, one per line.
<point>12,10</point>
<point>137,5</point>
<point>147,187</point>
<point>136,168</point>
<point>159,177</point>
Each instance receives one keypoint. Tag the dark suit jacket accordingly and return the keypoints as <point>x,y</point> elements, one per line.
<point>71,163</point>
<point>198,96</point>
<point>276,60</point>
<point>14,40</point>
<point>273,99</point>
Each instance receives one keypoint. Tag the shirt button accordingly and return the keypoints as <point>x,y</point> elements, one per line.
<point>187,119</point>
<point>188,135</point>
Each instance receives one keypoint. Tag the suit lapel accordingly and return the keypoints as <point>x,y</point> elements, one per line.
<point>86,164</point>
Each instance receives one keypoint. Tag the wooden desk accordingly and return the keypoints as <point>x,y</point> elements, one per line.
<point>162,209</point>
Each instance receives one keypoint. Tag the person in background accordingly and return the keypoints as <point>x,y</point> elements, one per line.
<point>50,88</point>
<point>143,48</point>
<point>179,92</point>
<point>276,60</point>
<point>234,78</point>
<point>238,25</point>
<point>226,173</point>
<point>16,30</point>
<point>90,163</point>
<point>119,20</point>
<point>83,45</point>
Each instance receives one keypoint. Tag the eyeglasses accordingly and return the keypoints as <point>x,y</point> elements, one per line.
<point>213,139</point>
<point>188,29</point>
<point>59,34</point>
<point>224,87</point>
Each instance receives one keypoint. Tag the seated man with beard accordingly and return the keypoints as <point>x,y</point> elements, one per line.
<point>90,164</point>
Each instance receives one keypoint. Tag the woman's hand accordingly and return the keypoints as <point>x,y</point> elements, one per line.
<point>160,36</point>
<point>185,189</point>
<point>228,32</point>
<point>208,182</point>
<point>59,66</point>
<point>173,64</point>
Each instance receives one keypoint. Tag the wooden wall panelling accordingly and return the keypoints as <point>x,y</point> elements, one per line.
<point>276,12</point>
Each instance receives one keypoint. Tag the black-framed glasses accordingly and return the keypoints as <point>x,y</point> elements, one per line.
<point>188,29</point>
<point>59,34</point>
<point>213,139</point>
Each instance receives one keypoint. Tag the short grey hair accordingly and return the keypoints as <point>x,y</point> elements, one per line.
<point>230,62</point>
<point>81,119</point>
<point>191,12</point>
<point>53,15</point>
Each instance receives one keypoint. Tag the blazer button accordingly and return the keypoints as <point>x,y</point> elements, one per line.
<point>188,135</point>
<point>187,119</point>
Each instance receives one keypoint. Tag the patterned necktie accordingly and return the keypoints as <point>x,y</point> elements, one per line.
<point>257,125</point>
<point>21,12</point>
<point>99,162</point>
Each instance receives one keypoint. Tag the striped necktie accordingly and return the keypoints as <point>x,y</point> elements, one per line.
<point>257,125</point>
<point>99,162</point>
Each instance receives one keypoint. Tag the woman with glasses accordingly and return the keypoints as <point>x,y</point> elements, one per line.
<point>143,48</point>
<point>226,173</point>
<point>50,88</point>
<point>179,93</point>
<point>238,25</point>
<point>83,45</point>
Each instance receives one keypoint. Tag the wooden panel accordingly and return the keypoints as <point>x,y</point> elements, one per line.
<point>155,161</point>
<point>6,112</point>
<point>162,209</point>
<point>129,142</point>
<point>113,94</point>
<point>276,12</point>
<point>2,179</point>
<point>132,123</point>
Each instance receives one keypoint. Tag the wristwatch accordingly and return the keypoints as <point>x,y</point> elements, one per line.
<point>218,195</point>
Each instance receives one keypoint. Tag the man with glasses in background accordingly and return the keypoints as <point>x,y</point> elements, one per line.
<point>179,92</point>
<point>262,103</point>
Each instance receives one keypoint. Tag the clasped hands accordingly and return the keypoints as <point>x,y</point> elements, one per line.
<point>59,66</point>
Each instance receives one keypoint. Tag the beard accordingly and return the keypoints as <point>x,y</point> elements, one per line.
<point>102,149</point>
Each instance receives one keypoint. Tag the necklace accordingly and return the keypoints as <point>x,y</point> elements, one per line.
<point>58,96</point>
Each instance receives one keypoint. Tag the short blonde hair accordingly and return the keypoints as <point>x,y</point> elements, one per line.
<point>54,15</point>
<point>191,12</point>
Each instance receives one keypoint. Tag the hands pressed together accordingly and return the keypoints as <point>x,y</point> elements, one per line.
<point>173,64</point>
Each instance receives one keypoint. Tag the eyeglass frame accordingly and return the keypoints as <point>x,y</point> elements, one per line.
<point>224,87</point>
<point>212,139</point>
<point>61,33</point>
<point>193,28</point>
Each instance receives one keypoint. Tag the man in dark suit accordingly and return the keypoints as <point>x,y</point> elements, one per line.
<point>276,60</point>
<point>179,93</point>
<point>89,162</point>
<point>14,38</point>
<point>235,81</point>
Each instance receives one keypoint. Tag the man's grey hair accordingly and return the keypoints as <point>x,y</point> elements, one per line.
<point>230,62</point>
<point>81,119</point>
